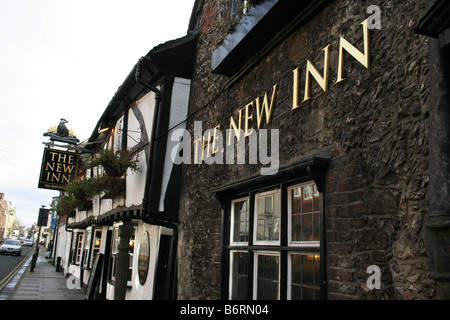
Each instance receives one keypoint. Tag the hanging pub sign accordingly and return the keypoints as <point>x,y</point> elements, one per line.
<point>43,216</point>
<point>58,169</point>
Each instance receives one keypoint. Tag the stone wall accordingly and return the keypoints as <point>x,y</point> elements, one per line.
<point>375,122</point>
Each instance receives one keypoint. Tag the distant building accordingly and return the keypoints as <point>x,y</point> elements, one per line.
<point>7,217</point>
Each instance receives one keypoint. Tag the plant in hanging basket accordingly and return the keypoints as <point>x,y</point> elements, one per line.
<point>111,186</point>
<point>82,189</point>
<point>116,163</point>
<point>66,205</point>
<point>79,193</point>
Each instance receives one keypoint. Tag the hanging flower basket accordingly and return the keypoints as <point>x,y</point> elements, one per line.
<point>116,163</point>
<point>111,186</point>
<point>78,194</point>
<point>66,206</point>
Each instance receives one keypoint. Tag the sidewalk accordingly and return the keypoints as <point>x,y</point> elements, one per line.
<point>42,284</point>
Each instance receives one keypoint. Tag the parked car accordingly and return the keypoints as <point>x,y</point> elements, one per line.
<point>11,246</point>
<point>28,242</point>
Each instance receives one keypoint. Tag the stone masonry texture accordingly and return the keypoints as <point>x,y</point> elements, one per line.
<point>375,122</point>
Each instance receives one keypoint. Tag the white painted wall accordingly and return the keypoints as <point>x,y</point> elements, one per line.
<point>135,185</point>
<point>138,291</point>
<point>178,113</point>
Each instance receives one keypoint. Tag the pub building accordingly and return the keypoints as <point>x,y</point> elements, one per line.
<point>120,242</point>
<point>287,150</point>
<point>345,88</point>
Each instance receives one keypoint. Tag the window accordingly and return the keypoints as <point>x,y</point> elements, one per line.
<point>240,214</point>
<point>304,215</point>
<point>115,250</point>
<point>87,248</point>
<point>79,248</point>
<point>304,277</point>
<point>278,257</point>
<point>96,242</point>
<point>239,275</point>
<point>267,221</point>
<point>267,276</point>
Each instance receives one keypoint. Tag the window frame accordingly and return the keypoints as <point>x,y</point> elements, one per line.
<point>87,249</point>
<point>289,274</point>
<point>115,239</point>
<point>79,248</point>
<point>232,222</point>
<point>257,254</point>
<point>258,196</point>
<point>303,244</point>
<point>283,247</point>
<point>230,274</point>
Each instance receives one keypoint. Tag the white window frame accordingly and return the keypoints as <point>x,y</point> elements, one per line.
<point>86,248</point>
<point>307,244</point>
<point>79,248</point>
<point>255,219</point>
<point>232,242</point>
<point>115,250</point>
<point>255,271</point>
<point>94,249</point>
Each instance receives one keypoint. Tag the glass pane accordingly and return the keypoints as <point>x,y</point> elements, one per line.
<point>308,270</point>
<point>316,227</point>
<point>317,271</point>
<point>268,220</point>
<point>304,209</point>
<point>307,227</point>
<point>305,276</point>
<point>308,293</point>
<point>239,276</point>
<point>296,227</point>
<point>240,221</point>
<point>307,199</point>
<point>296,293</point>
<point>316,199</point>
<point>267,277</point>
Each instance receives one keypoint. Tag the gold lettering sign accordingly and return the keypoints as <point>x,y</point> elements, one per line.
<point>58,169</point>
<point>245,119</point>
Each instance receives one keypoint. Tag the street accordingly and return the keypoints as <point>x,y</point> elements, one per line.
<point>9,262</point>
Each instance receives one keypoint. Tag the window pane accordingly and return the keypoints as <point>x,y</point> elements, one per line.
<point>307,199</point>
<point>239,275</point>
<point>305,276</point>
<point>304,213</point>
<point>316,198</point>
<point>308,270</point>
<point>316,227</point>
<point>307,227</point>
<point>296,227</point>
<point>240,221</point>
<point>267,278</point>
<point>268,219</point>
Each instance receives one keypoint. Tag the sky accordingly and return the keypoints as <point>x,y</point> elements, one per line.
<point>66,59</point>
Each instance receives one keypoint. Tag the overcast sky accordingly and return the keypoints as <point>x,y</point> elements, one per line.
<point>66,59</point>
